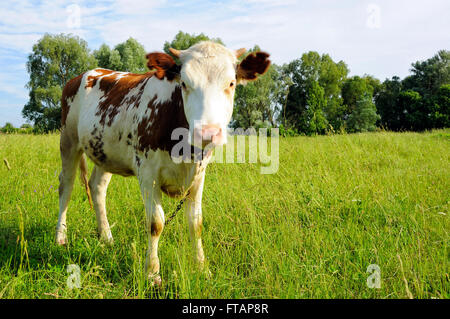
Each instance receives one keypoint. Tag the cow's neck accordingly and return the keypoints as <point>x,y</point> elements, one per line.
<point>155,129</point>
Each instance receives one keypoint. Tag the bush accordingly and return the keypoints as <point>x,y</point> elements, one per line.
<point>9,128</point>
<point>286,132</point>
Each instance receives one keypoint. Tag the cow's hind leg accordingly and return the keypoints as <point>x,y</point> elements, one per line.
<point>98,184</point>
<point>70,158</point>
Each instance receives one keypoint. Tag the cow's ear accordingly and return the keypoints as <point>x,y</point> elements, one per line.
<point>256,63</point>
<point>163,64</point>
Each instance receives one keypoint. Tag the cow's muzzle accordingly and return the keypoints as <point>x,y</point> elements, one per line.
<point>208,135</point>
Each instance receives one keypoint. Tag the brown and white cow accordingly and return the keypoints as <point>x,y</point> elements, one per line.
<point>124,123</point>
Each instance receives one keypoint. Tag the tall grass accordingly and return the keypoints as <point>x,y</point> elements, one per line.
<point>336,205</point>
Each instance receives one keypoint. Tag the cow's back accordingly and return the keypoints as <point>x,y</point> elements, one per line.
<point>97,109</point>
<point>116,114</point>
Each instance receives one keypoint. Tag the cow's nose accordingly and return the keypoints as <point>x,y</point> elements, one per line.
<point>209,134</point>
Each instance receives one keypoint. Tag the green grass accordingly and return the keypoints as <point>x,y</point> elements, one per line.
<point>336,205</point>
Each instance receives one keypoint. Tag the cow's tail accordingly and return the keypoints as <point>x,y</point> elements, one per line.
<point>84,177</point>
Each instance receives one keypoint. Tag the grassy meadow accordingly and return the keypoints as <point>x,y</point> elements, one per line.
<point>336,205</point>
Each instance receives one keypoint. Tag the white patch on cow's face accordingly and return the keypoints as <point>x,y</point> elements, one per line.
<point>161,89</point>
<point>208,80</point>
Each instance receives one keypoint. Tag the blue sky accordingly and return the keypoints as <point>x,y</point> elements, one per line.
<point>381,38</point>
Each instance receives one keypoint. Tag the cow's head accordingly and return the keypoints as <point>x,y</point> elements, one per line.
<point>208,74</point>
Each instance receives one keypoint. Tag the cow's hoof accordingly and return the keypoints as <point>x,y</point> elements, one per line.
<point>156,281</point>
<point>61,239</point>
<point>107,239</point>
<point>61,242</point>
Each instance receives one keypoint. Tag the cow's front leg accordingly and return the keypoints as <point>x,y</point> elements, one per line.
<point>194,214</point>
<point>151,193</point>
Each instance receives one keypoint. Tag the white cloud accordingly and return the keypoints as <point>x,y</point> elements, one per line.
<point>285,27</point>
<point>409,30</point>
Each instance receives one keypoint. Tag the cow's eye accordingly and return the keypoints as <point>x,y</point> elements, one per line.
<point>231,84</point>
<point>183,85</point>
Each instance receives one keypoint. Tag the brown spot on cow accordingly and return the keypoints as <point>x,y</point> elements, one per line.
<point>156,228</point>
<point>115,92</point>
<point>229,93</point>
<point>96,144</point>
<point>91,80</point>
<point>155,131</point>
<point>72,86</point>
<point>198,230</point>
<point>107,82</point>
<point>138,161</point>
<point>69,91</point>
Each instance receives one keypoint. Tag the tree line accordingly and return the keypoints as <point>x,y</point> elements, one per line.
<point>309,95</point>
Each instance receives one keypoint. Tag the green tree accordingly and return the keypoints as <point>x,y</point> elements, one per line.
<point>294,100</point>
<point>54,61</point>
<point>256,103</point>
<point>429,75</point>
<point>417,102</point>
<point>316,123</point>
<point>354,89</point>
<point>360,110</point>
<point>374,83</point>
<point>427,78</point>
<point>364,116</point>
<point>107,58</point>
<point>132,55</point>
<point>128,56</point>
<point>331,79</point>
<point>386,101</point>
<point>302,73</point>
<point>442,107</point>
<point>411,105</point>
<point>183,41</point>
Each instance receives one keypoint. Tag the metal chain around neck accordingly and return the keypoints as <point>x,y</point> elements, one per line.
<point>180,204</point>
